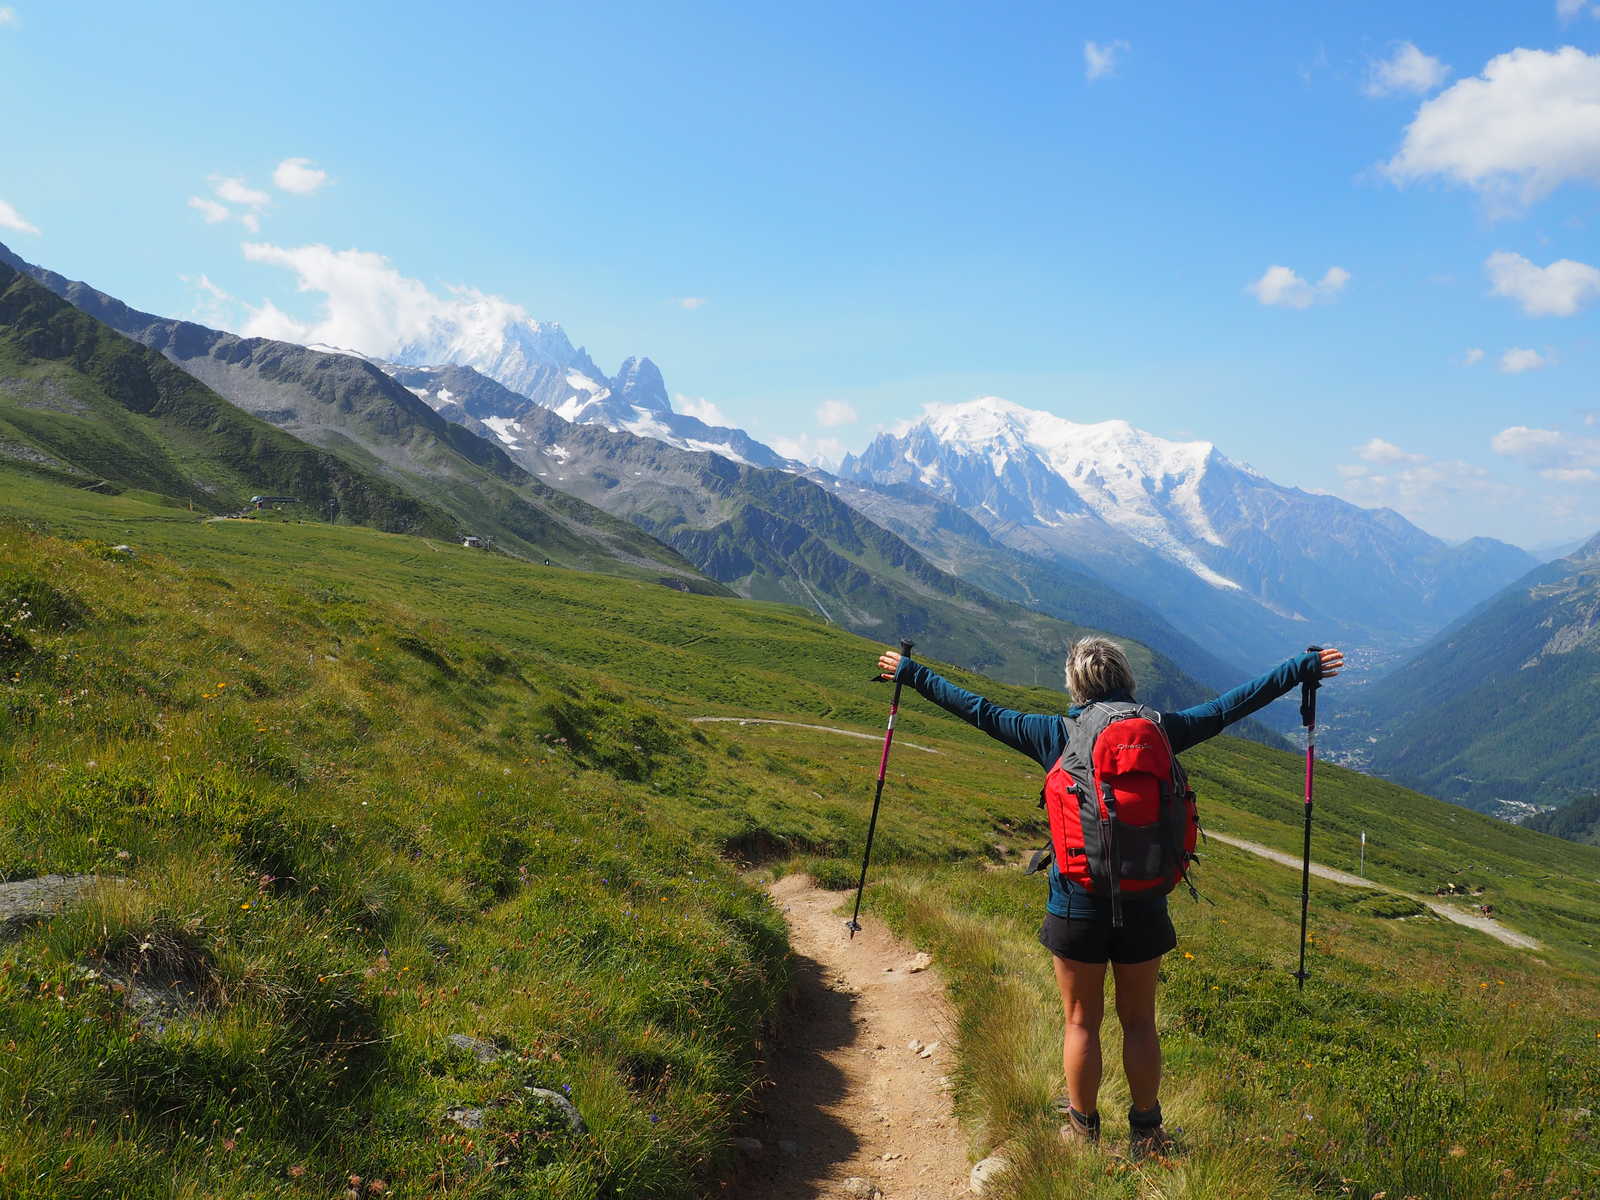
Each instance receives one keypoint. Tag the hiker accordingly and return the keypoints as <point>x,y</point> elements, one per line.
<point>1079,929</point>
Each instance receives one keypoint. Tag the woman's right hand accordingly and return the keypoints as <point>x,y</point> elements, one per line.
<point>889,664</point>
<point>1329,663</point>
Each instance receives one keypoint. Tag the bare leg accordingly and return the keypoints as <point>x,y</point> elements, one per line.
<point>1141,1044</point>
<point>1083,1003</point>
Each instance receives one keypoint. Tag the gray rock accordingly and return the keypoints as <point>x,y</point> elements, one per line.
<point>562,1105</point>
<point>29,900</point>
<point>467,1118</point>
<point>749,1146</point>
<point>984,1172</point>
<point>786,1146</point>
<point>484,1052</point>
<point>857,1186</point>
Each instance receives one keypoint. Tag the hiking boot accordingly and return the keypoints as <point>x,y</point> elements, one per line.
<point>1081,1128</point>
<point>1147,1138</point>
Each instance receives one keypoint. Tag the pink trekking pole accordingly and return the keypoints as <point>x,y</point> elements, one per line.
<point>854,924</point>
<point>1308,718</point>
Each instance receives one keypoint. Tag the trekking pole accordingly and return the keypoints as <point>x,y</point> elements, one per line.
<point>1308,718</point>
<point>854,924</point>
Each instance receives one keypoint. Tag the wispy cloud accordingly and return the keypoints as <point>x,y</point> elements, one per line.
<point>1102,59</point>
<point>209,209</point>
<point>825,452</point>
<point>8,16</point>
<point>1513,134</point>
<point>833,413</point>
<point>1472,357</point>
<point>1571,10</point>
<point>298,175</point>
<point>1558,456</point>
<point>1406,70</point>
<point>1519,359</point>
<point>237,191</point>
<point>1280,287</point>
<point>700,407</point>
<point>690,302</point>
<point>369,306</point>
<point>1562,289</point>
<point>11,219</point>
<point>1416,484</point>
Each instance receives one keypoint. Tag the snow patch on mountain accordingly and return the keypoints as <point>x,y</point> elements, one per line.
<point>1141,484</point>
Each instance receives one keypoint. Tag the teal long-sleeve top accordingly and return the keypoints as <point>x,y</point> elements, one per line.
<point>1042,737</point>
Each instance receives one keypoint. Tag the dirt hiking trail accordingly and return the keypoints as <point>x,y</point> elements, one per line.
<point>852,1109</point>
<point>1486,925</point>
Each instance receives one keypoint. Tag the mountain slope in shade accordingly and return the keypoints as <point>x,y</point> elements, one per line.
<point>1499,712</point>
<point>775,535</point>
<point>1244,565</point>
<point>84,404</point>
<point>350,408</point>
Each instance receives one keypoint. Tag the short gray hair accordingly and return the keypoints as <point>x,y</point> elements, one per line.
<point>1097,668</point>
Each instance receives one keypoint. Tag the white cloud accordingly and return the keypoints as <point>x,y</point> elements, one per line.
<point>1419,486</point>
<point>1557,456</point>
<point>1559,290</point>
<point>1569,10</point>
<point>210,209</point>
<point>690,302</point>
<point>1519,359</point>
<point>1102,60</point>
<point>824,452</point>
<point>699,406</point>
<point>1528,124</point>
<point>1283,288</point>
<point>1406,70</point>
<point>368,306</point>
<point>8,16</point>
<point>251,222</point>
<point>1387,453</point>
<point>833,413</point>
<point>11,219</point>
<point>298,175</point>
<point>213,306</point>
<point>1473,357</point>
<point>236,191</point>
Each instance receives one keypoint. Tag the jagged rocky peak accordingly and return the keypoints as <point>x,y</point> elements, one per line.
<point>639,384</point>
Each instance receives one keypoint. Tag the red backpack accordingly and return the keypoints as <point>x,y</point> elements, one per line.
<point>1122,816</point>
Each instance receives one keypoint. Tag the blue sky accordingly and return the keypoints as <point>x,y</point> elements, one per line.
<point>819,219</point>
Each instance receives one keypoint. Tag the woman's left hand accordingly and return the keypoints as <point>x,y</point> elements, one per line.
<point>1329,665</point>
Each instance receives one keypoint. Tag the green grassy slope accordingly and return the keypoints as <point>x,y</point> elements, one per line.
<point>447,792</point>
<point>350,409</point>
<point>1500,707</point>
<point>82,401</point>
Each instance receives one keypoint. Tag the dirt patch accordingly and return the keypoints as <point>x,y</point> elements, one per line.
<point>849,1099</point>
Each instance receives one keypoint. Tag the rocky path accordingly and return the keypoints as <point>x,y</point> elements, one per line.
<point>853,1109</point>
<point>1486,925</point>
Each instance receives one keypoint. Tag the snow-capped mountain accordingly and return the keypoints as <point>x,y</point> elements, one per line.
<point>536,360</point>
<point>1224,552</point>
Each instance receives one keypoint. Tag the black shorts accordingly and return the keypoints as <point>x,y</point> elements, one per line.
<point>1145,934</point>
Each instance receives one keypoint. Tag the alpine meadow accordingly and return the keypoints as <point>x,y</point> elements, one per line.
<point>1089,691</point>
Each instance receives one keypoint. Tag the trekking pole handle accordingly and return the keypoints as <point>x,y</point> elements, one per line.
<point>905,652</point>
<point>1308,693</point>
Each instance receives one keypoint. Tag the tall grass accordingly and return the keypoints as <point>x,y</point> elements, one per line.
<point>1404,1069</point>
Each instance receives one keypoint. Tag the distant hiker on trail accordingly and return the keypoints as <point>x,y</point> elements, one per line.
<point>1125,921</point>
